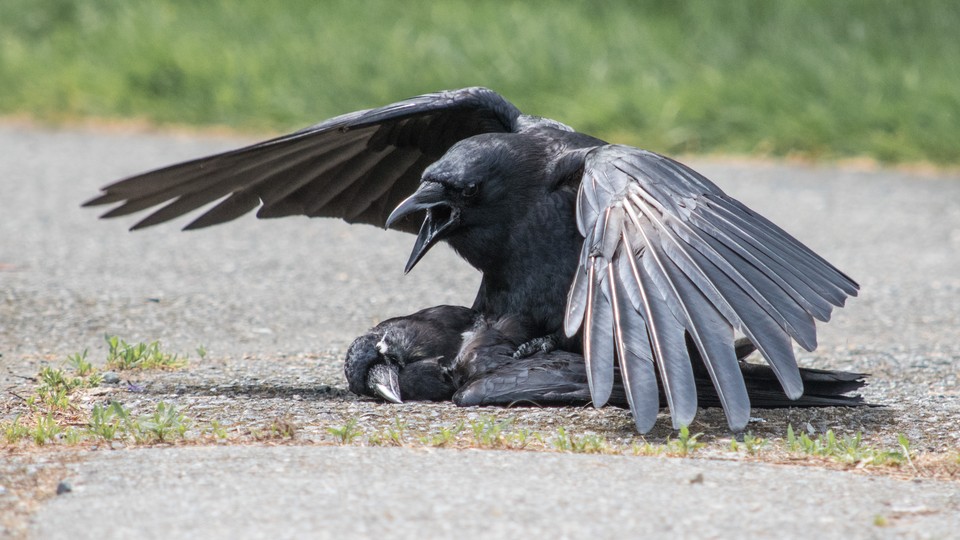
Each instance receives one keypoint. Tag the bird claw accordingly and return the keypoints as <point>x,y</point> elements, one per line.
<point>544,344</point>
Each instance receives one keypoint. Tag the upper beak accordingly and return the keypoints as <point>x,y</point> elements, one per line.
<point>428,197</point>
<point>384,381</point>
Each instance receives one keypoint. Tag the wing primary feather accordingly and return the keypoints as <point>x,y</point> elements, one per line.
<point>695,212</point>
<point>206,176</point>
<point>844,281</point>
<point>785,312</point>
<point>795,283</point>
<point>587,208</point>
<point>770,338</point>
<point>668,347</point>
<point>790,316</point>
<point>230,208</point>
<point>630,288</point>
<point>577,298</point>
<point>600,339</point>
<point>798,260</point>
<point>181,177</point>
<point>712,334</point>
<point>313,184</point>
<point>180,206</point>
<point>135,204</point>
<point>365,185</point>
<point>633,351</point>
<point>324,160</point>
<point>588,329</point>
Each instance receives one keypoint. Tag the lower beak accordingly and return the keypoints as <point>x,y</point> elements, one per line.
<point>384,380</point>
<point>440,218</point>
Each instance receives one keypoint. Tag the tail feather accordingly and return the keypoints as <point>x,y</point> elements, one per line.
<point>821,388</point>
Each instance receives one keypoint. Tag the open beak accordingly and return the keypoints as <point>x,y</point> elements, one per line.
<point>384,381</point>
<point>440,218</point>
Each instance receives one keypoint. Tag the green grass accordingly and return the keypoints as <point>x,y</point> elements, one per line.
<point>445,435</point>
<point>818,77</point>
<point>588,443</point>
<point>123,356</point>
<point>51,413</point>
<point>848,448</point>
<point>346,433</point>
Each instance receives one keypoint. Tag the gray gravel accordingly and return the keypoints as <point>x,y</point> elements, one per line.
<point>275,303</point>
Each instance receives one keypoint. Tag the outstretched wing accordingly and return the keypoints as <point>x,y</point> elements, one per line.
<point>358,166</point>
<point>667,254</point>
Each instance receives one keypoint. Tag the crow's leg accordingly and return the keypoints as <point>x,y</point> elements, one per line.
<point>544,344</point>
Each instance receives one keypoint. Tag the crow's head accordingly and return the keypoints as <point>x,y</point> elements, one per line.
<point>374,362</point>
<point>402,358</point>
<point>472,188</point>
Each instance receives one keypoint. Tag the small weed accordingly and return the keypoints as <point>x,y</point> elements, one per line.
<point>80,364</point>
<point>73,436</point>
<point>589,443</point>
<point>122,356</point>
<point>52,398</point>
<point>46,430</point>
<point>377,439</point>
<point>14,431</point>
<point>489,433</point>
<point>396,435</point>
<point>904,443</point>
<point>561,442</point>
<point>647,449</point>
<point>391,436</point>
<point>217,430</point>
<point>753,444</point>
<point>283,428</point>
<point>346,433</point>
<point>445,437</point>
<point>519,439</point>
<point>202,352</point>
<point>685,444</point>
<point>56,379</point>
<point>848,449</point>
<point>127,423</point>
<point>105,423</point>
<point>54,388</point>
<point>164,425</point>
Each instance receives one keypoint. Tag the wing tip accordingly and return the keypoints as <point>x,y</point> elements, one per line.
<point>99,200</point>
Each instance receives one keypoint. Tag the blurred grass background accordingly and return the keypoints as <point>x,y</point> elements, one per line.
<point>816,78</point>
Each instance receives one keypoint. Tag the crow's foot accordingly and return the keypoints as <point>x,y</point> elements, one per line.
<point>544,344</point>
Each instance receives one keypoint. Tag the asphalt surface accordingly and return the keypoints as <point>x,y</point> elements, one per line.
<point>254,291</point>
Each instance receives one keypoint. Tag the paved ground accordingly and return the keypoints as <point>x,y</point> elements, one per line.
<point>275,303</point>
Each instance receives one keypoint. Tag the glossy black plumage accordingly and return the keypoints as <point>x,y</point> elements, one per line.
<point>482,370</point>
<point>418,345</point>
<point>485,373</point>
<point>614,249</point>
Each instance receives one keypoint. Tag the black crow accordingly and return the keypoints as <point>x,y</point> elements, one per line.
<point>620,249</point>
<point>404,357</point>
<point>421,358</point>
<point>486,372</point>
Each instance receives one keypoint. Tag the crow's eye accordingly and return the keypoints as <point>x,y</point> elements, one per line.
<point>471,191</point>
